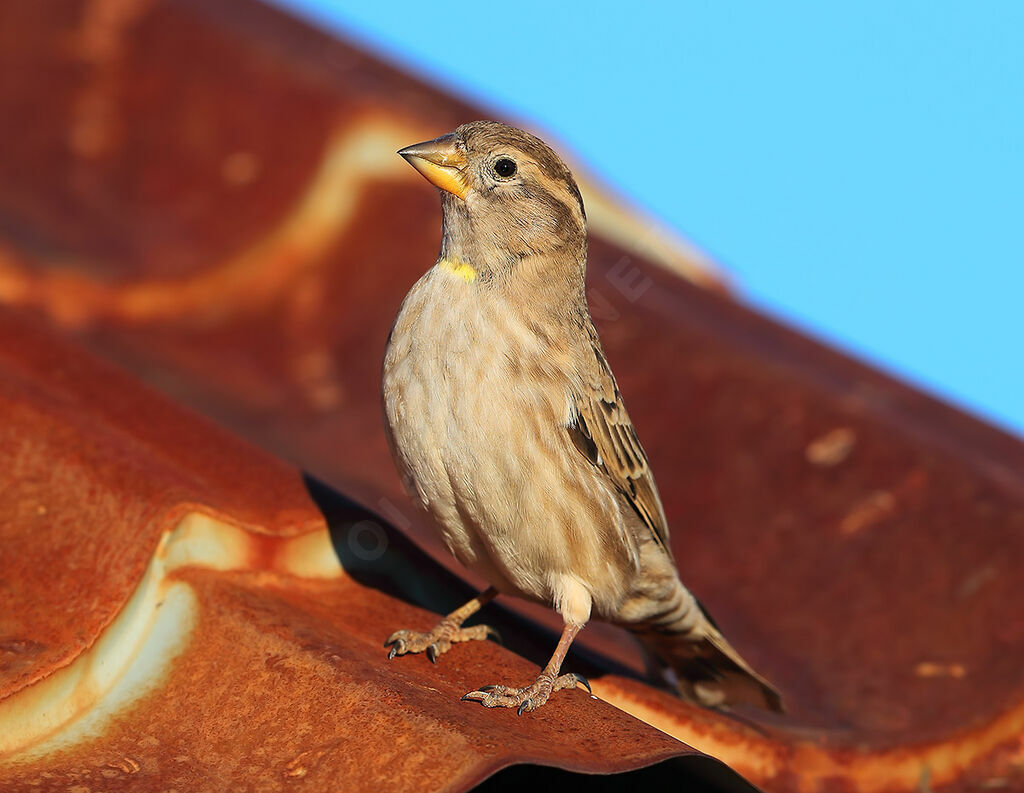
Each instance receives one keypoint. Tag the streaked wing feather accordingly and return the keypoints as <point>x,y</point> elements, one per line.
<point>603,433</point>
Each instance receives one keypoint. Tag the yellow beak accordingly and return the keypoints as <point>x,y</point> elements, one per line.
<point>441,162</point>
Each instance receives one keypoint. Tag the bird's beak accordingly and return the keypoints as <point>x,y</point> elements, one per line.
<point>441,162</point>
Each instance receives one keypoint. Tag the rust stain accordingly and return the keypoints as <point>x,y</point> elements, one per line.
<point>933,669</point>
<point>880,505</point>
<point>308,760</point>
<point>867,512</point>
<point>126,765</point>
<point>832,448</point>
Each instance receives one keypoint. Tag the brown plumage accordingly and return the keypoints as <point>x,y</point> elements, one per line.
<point>506,424</point>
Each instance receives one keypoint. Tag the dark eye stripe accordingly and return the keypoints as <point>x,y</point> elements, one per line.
<point>551,186</point>
<point>556,205</point>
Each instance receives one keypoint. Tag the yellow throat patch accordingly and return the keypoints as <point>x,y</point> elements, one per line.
<point>458,269</point>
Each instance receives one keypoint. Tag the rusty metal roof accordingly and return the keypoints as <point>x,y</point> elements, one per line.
<point>232,227</point>
<point>173,611</point>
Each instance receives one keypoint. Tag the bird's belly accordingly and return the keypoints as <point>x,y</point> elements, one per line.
<point>485,449</point>
<point>507,486</point>
<point>464,447</point>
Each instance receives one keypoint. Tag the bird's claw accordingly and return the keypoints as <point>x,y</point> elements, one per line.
<point>438,641</point>
<point>397,648</point>
<point>582,681</point>
<point>527,698</point>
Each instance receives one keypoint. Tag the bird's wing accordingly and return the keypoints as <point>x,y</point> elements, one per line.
<point>600,428</point>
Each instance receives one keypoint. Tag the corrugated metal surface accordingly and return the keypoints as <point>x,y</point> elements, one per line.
<point>234,227</point>
<point>173,616</point>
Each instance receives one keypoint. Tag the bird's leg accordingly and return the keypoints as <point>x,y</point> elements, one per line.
<point>449,630</point>
<point>533,696</point>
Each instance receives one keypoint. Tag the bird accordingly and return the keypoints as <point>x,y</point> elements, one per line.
<point>506,424</point>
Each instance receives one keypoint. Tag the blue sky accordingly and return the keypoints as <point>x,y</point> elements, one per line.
<point>858,167</point>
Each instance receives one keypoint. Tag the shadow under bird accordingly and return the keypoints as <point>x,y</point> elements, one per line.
<point>505,422</point>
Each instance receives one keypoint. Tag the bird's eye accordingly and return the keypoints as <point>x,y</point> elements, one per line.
<point>505,168</point>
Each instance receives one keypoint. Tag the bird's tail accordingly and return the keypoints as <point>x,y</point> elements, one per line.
<point>707,669</point>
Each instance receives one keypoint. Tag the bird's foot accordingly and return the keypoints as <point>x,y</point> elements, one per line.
<point>438,641</point>
<point>527,698</point>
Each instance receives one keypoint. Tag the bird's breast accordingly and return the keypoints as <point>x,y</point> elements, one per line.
<point>474,397</point>
<point>470,367</point>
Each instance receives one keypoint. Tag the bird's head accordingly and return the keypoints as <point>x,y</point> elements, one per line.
<point>506,196</point>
